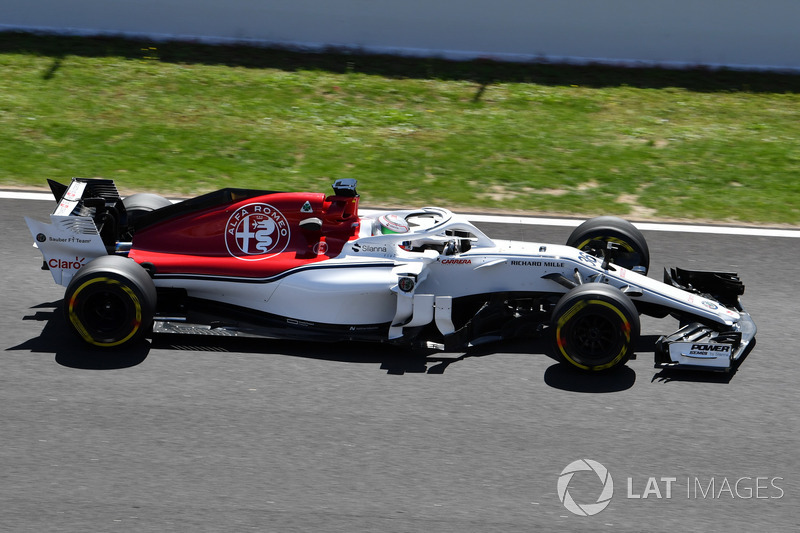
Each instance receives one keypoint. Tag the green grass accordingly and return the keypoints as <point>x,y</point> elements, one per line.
<point>182,119</point>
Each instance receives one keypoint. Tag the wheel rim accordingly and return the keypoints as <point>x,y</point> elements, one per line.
<point>594,335</point>
<point>105,312</point>
<point>592,338</point>
<point>629,258</point>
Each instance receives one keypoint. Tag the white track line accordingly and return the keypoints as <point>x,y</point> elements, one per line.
<point>14,195</point>
<point>646,226</point>
<point>539,221</point>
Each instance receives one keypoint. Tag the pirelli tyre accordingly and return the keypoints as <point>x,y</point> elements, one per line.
<point>110,302</point>
<point>631,247</point>
<point>142,203</point>
<point>595,327</point>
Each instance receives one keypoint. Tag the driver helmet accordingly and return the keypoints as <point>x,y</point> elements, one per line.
<point>393,223</point>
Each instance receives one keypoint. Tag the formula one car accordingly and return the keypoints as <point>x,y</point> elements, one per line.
<point>309,266</point>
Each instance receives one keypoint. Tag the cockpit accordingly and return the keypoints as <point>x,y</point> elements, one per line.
<point>428,228</point>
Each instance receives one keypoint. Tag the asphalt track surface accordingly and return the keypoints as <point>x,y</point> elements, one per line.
<point>232,435</point>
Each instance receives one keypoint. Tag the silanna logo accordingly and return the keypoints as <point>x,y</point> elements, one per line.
<point>371,248</point>
<point>256,231</point>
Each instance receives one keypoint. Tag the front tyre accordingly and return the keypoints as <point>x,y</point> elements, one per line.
<point>595,327</point>
<point>595,233</point>
<point>110,302</point>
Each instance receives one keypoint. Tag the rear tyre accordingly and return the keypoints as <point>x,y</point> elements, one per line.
<point>142,203</point>
<point>595,327</point>
<point>110,302</point>
<point>632,246</point>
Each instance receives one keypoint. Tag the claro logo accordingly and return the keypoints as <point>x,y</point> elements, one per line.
<point>67,264</point>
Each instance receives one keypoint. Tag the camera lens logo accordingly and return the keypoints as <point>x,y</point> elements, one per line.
<point>586,509</point>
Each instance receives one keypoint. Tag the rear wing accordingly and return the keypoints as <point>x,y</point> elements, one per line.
<point>83,226</point>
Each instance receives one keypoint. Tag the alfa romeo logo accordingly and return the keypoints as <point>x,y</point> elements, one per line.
<point>586,509</point>
<point>256,231</point>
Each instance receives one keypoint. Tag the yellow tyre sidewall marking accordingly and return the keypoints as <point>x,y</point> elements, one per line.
<point>566,317</point>
<point>619,241</point>
<point>81,329</point>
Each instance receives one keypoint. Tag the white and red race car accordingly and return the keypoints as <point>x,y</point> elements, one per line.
<point>308,266</point>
